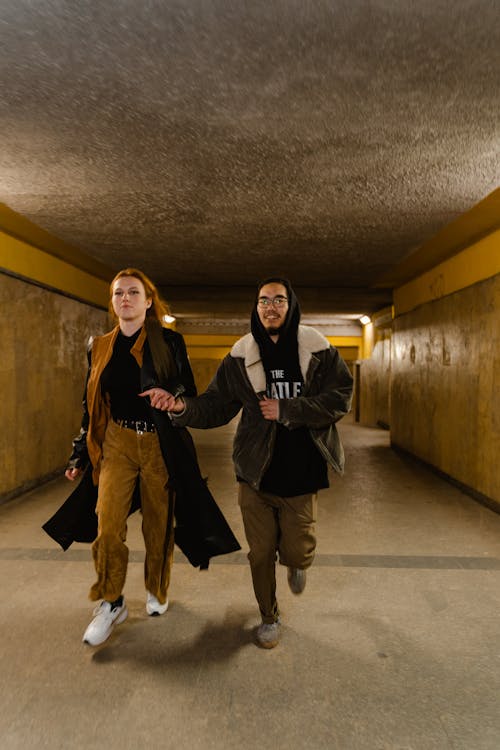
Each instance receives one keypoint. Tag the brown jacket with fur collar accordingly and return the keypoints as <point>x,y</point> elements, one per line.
<point>240,382</point>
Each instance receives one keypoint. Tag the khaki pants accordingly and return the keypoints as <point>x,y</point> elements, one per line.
<point>126,456</point>
<point>284,525</point>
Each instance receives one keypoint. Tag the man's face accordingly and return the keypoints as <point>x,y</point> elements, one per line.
<point>272,315</point>
<point>129,299</point>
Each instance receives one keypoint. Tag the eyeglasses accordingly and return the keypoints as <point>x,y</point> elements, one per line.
<point>278,301</point>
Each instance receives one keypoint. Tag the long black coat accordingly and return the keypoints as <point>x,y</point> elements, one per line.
<point>201,531</point>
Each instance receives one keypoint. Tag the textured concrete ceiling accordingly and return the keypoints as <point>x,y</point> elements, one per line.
<point>214,142</point>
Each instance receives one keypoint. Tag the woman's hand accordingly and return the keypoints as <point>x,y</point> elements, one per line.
<point>160,399</point>
<point>72,474</point>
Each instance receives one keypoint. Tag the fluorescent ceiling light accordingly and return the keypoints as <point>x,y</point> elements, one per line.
<point>168,318</point>
<point>365,319</point>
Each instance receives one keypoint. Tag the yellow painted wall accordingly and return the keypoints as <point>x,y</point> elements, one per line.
<point>206,352</point>
<point>436,371</point>
<point>445,378</point>
<point>57,297</point>
<point>368,341</point>
<point>42,371</point>
<point>373,384</point>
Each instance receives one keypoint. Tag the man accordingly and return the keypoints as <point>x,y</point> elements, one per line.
<point>292,386</point>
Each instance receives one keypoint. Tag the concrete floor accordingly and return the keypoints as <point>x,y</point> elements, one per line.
<point>394,645</point>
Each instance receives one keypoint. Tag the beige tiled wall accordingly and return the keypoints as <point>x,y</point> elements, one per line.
<point>42,370</point>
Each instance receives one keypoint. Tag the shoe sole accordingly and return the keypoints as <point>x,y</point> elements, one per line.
<point>272,644</point>
<point>296,590</point>
<point>121,618</point>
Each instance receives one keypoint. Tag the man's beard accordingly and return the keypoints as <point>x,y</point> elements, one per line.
<point>274,331</point>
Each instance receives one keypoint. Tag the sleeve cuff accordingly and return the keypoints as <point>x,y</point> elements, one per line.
<point>174,414</point>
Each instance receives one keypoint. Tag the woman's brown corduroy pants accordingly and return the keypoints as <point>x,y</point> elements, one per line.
<point>128,456</point>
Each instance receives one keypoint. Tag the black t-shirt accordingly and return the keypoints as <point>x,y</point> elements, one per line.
<point>297,467</point>
<point>121,379</point>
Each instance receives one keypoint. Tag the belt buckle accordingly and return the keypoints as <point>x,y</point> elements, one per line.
<point>138,424</point>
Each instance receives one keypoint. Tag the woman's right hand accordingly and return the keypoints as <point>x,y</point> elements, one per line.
<point>72,474</point>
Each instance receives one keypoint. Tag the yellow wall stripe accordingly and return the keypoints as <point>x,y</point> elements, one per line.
<point>24,260</point>
<point>468,229</point>
<point>18,226</point>
<point>477,263</point>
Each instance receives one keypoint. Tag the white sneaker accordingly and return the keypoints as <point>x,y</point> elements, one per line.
<point>153,606</point>
<point>106,617</point>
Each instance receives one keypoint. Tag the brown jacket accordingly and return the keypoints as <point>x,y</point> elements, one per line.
<point>98,408</point>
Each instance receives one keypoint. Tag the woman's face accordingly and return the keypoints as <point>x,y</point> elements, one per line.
<point>129,299</point>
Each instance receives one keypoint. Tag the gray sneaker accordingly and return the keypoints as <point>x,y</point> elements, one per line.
<point>267,635</point>
<point>296,580</point>
<point>106,617</point>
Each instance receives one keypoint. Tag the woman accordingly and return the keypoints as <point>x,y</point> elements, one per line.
<point>134,450</point>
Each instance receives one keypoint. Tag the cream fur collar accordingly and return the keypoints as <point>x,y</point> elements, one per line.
<point>310,341</point>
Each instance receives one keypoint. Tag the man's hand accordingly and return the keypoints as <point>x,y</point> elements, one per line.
<point>160,399</point>
<point>270,408</point>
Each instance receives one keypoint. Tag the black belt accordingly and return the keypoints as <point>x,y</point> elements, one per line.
<point>138,425</point>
